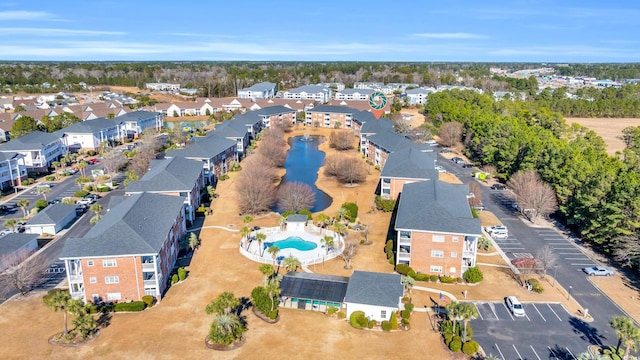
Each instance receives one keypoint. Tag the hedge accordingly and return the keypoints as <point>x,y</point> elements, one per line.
<point>41,204</point>
<point>80,193</point>
<point>148,300</point>
<point>386,325</point>
<point>358,320</point>
<point>470,347</point>
<point>456,344</point>
<point>130,306</point>
<point>403,269</point>
<point>535,285</point>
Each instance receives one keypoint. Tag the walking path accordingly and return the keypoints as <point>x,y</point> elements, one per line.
<point>213,227</point>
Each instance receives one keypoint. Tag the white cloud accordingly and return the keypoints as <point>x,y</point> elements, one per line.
<point>26,15</point>
<point>56,32</point>
<point>456,35</point>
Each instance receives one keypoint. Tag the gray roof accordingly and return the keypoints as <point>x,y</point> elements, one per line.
<point>272,110</point>
<point>297,218</point>
<point>312,89</point>
<point>390,141</point>
<point>373,126</point>
<point>263,86</point>
<point>436,206</point>
<point>14,241</point>
<point>371,288</point>
<point>249,118</point>
<point>204,148</point>
<point>136,116</point>
<point>410,163</point>
<point>138,225</point>
<point>35,140</point>
<point>334,109</point>
<point>90,126</point>
<point>173,174</point>
<point>356,91</point>
<point>420,91</point>
<point>4,156</point>
<point>52,214</point>
<point>314,286</point>
<point>230,129</point>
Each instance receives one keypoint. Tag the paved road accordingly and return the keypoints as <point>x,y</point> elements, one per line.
<point>524,239</point>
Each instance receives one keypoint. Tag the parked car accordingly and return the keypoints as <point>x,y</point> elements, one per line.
<point>466,166</point>
<point>514,305</point>
<point>446,151</point>
<point>494,228</point>
<point>81,209</point>
<point>93,161</point>
<point>528,262</point>
<point>457,160</point>
<point>20,226</point>
<point>55,201</point>
<point>480,207</point>
<point>441,169</point>
<point>500,234</point>
<point>5,231</point>
<point>498,187</point>
<point>93,196</point>
<point>598,271</point>
<point>85,201</point>
<point>43,185</point>
<point>516,207</point>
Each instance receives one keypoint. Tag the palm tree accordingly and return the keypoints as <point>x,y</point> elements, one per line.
<point>85,324</point>
<point>81,165</point>
<point>261,237</point>
<point>454,312</point>
<point>291,263</point>
<point>590,356</point>
<point>341,213</point>
<point>273,289</point>
<point>23,204</point>
<point>322,219</point>
<point>97,209</point>
<point>408,282</point>
<point>56,165</point>
<point>245,231</point>
<point>11,224</point>
<point>44,191</point>
<point>340,228</point>
<point>247,219</point>
<point>60,300</point>
<point>226,328</point>
<point>328,242</point>
<point>468,312</point>
<point>223,304</point>
<point>273,250</point>
<point>627,332</point>
<point>267,271</point>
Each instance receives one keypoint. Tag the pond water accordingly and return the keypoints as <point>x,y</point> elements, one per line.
<point>302,164</point>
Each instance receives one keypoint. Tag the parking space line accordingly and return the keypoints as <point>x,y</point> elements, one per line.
<point>508,312</point>
<point>514,348</point>
<point>570,353</point>
<point>554,313</point>
<point>493,310</point>
<point>497,348</point>
<point>539,313</point>
<point>527,316</point>
<point>534,351</point>
<point>552,352</point>
<point>589,264</point>
<point>580,258</point>
<point>478,310</point>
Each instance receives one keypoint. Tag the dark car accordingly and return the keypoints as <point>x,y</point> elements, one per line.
<point>498,187</point>
<point>445,151</point>
<point>466,166</point>
<point>93,196</point>
<point>81,209</point>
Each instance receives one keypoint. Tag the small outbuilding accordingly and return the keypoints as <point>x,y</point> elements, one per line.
<point>51,219</point>
<point>376,294</point>
<point>309,291</point>
<point>296,222</point>
<point>16,247</point>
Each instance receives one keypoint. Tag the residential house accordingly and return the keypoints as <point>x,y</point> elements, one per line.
<point>130,252</point>
<point>308,92</point>
<point>51,219</point>
<point>263,90</point>
<point>88,135</point>
<point>174,176</point>
<point>215,152</point>
<point>368,85</point>
<point>296,105</point>
<point>436,233</point>
<point>378,295</point>
<point>353,94</point>
<point>40,149</point>
<point>418,96</point>
<point>335,86</point>
<point>359,105</point>
<point>236,131</point>
<point>16,247</point>
<point>370,127</point>
<point>406,166</point>
<point>12,170</point>
<point>136,122</point>
<point>6,123</point>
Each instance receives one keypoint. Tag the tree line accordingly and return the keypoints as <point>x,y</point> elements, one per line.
<point>595,191</point>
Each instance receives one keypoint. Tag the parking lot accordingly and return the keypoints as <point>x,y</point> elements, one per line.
<point>547,331</point>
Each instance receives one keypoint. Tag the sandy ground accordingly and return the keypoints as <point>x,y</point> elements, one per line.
<point>608,128</point>
<point>178,325</point>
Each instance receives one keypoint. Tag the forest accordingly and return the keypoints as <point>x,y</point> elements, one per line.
<point>596,193</point>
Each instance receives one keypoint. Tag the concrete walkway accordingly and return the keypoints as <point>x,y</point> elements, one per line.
<point>214,227</point>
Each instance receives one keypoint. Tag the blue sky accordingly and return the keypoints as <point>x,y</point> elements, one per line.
<point>346,30</point>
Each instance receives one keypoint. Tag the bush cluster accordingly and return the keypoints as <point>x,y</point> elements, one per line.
<point>384,204</point>
<point>473,275</point>
<point>358,319</point>
<point>535,285</point>
<point>262,301</point>
<point>456,344</point>
<point>129,306</point>
<point>148,300</point>
<point>470,347</point>
<point>80,193</point>
<point>388,249</point>
<point>386,325</point>
<point>352,211</point>
<point>182,274</point>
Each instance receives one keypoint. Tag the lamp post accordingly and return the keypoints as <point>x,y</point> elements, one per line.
<point>555,271</point>
<point>569,294</point>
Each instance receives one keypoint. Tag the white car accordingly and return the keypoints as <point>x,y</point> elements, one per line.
<point>85,201</point>
<point>598,271</point>
<point>491,229</point>
<point>441,169</point>
<point>514,305</point>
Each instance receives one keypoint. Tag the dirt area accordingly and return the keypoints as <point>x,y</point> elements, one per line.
<point>178,325</point>
<point>416,118</point>
<point>608,128</point>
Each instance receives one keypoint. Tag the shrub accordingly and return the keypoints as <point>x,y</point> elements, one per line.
<point>386,325</point>
<point>423,277</point>
<point>358,320</point>
<point>182,274</point>
<point>446,327</point>
<point>405,299</point>
<point>384,204</point>
<point>394,321</point>
<point>342,314</point>
<point>332,310</point>
<point>484,244</point>
<point>41,204</point>
<point>408,307</point>
<point>174,278</point>
<point>473,275</point>
<point>433,278</point>
<point>469,332</point>
<point>456,344</point>
<point>403,269</point>
<point>535,285</point>
<point>392,260</point>
<point>91,152</point>
<point>447,279</point>
<point>371,324</point>
<point>261,301</point>
<point>470,347</point>
<point>352,210</point>
<point>130,306</point>
<point>103,189</point>
<point>405,314</point>
<point>412,274</point>
<point>80,193</point>
<point>148,300</point>
<point>405,322</point>
<point>306,212</point>
<point>50,177</point>
<point>287,213</point>
<point>448,338</point>
<point>223,177</point>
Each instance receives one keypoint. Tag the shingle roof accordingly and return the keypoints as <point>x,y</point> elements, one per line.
<point>410,164</point>
<point>378,289</point>
<point>314,286</point>
<point>138,225</point>
<point>272,110</point>
<point>90,126</point>
<point>260,87</point>
<point>356,91</point>
<point>14,241</point>
<point>204,148</point>
<point>136,116</point>
<point>4,156</point>
<point>52,214</point>
<point>35,140</point>
<point>230,129</point>
<point>297,218</point>
<point>333,109</point>
<point>373,126</point>
<point>173,174</point>
<point>391,141</point>
<point>436,206</point>
<point>311,89</point>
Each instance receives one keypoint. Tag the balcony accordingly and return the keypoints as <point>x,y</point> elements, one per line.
<point>404,256</point>
<point>150,283</point>
<point>148,266</point>
<point>76,278</point>
<point>404,241</point>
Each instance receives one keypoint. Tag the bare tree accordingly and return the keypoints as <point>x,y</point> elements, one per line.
<point>346,169</point>
<point>400,125</point>
<point>139,163</point>
<point>450,133</point>
<point>295,196</point>
<point>627,251</point>
<point>255,186</point>
<point>349,253</point>
<point>476,190</point>
<point>112,161</point>
<point>536,198</point>
<point>21,272</point>
<point>546,259</point>
<point>341,140</point>
<point>332,164</point>
<point>525,269</point>
<point>273,147</point>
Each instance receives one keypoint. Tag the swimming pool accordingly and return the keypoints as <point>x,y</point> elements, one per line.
<point>293,242</point>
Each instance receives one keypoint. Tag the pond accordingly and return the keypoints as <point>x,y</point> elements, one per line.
<point>302,164</point>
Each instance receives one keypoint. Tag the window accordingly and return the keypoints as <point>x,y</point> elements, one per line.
<point>111,279</point>
<point>109,263</point>
<point>383,314</point>
<point>113,296</point>
<point>454,239</point>
<point>452,271</point>
<point>435,269</point>
<point>437,253</point>
<point>454,254</point>
<point>405,234</point>
<point>437,238</point>
<point>89,262</point>
<point>93,280</point>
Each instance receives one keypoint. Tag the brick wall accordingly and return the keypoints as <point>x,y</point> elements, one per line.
<point>422,245</point>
